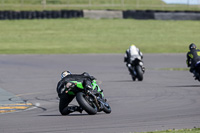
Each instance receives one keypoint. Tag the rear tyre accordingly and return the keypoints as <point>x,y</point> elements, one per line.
<point>139,73</point>
<point>84,101</point>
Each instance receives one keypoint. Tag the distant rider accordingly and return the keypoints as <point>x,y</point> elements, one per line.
<point>193,58</point>
<point>65,98</point>
<point>131,54</point>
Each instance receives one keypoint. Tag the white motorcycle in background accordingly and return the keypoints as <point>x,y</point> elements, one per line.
<point>136,68</point>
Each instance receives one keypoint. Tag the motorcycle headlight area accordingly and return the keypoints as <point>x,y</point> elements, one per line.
<point>141,63</point>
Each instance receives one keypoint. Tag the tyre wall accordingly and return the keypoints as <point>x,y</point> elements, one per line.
<point>162,15</point>
<point>98,14</point>
<point>138,14</point>
<point>40,14</point>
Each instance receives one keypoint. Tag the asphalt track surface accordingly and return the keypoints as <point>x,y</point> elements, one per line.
<point>165,99</point>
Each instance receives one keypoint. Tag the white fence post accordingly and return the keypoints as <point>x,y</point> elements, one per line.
<point>2,2</point>
<point>22,3</point>
<point>44,2</point>
<point>122,3</point>
<point>199,3</point>
<point>68,2</point>
<point>90,2</point>
<point>137,3</point>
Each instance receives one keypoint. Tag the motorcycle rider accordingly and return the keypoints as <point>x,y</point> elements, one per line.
<point>193,59</point>
<point>131,54</point>
<point>65,98</point>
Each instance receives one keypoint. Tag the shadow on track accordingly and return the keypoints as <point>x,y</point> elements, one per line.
<point>185,86</point>
<point>124,81</point>
<point>72,115</point>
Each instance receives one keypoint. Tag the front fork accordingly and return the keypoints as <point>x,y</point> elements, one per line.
<point>96,100</point>
<point>132,70</point>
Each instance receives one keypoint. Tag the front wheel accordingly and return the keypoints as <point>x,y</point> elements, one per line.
<point>86,103</point>
<point>133,78</point>
<point>107,108</point>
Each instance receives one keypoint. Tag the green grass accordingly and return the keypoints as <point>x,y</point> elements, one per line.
<point>173,69</point>
<point>56,36</point>
<point>194,130</point>
<point>94,4</point>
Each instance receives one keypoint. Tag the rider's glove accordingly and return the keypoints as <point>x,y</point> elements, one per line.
<point>128,65</point>
<point>92,77</point>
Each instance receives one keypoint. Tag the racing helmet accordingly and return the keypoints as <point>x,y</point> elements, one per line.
<point>192,46</point>
<point>65,73</point>
<point>133,50</point>
<point>86,74</point>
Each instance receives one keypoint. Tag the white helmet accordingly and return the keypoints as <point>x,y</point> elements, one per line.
<point>133,50</point>
<point>65,73</point>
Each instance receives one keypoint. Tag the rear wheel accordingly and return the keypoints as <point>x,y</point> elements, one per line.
<point>86,103</point>
<point>139,73</point>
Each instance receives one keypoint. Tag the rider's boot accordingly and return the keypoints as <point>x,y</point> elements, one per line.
<point>74,108</point>
<point>70,109</point>
<point>196,76</point>
<point>78,108</point>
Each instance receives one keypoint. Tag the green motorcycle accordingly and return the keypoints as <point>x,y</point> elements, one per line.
<point>91,100</point>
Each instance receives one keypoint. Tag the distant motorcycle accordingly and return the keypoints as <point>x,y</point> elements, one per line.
<point>136,68</point>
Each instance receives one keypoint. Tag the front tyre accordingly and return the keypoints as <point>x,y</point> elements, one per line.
<point>85,102</point>
<point>133,78</point>
<point>139,73</point>
<point>107,108</point>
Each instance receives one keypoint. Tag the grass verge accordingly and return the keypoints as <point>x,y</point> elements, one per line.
<point>194,130</point>
<point>72,36</point>
<point>93,4</point>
